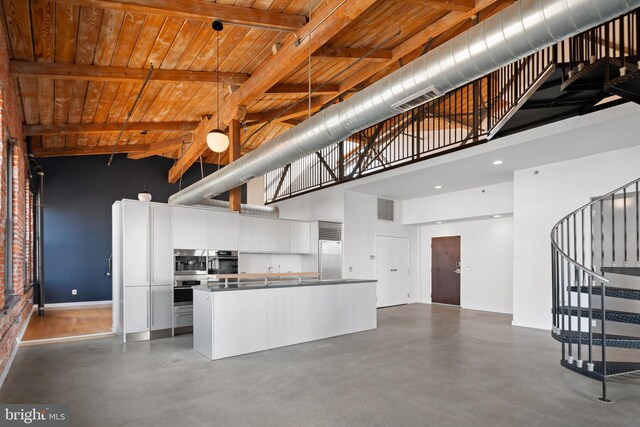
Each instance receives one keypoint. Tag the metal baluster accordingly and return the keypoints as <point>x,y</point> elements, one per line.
<point>637,227</point>
<point>604,339</point>
<point>601,234</point>
<point>562,262</point>
<point>578,281</point>
<point>569,312</point>
<point>590,362</point>
<point>613,231</point>
<point>624,216</point>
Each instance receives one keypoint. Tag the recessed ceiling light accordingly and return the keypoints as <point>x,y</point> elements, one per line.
<point>439,222</point>
<point>497,216</point>
<point>498,162</point>
<point>437,187</point>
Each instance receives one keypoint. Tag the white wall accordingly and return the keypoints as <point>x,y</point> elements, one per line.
<point>540,200</point>
<point>260,263</point>
<point>324,205</point>
<point>486,252</point>
<point>255,191</point>
<point>361,225</point>
<point>472,203</point>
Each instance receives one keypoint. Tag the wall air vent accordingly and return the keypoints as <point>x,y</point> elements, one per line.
<point>416,99</point>
<point>329,230</point>
<point>385,210</point>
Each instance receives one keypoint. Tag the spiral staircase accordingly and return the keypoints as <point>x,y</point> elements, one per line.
<point>595,259</point>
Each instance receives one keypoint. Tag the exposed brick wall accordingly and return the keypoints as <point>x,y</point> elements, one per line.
<point>12,319</point>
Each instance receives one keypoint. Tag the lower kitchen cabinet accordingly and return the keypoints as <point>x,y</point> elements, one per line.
<point>136,309</point>
<point>161,307</point>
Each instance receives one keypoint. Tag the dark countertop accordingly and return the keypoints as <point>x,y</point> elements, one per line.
<point>235,286</point>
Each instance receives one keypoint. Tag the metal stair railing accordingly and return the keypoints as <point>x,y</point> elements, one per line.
<point>581,244</point>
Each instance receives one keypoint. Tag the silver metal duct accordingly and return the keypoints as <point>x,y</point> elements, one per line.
<point>516,32</point>
<point>268,211</point>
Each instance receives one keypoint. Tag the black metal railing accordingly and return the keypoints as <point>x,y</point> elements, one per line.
<point>462,118</point>
<point>598,237</point>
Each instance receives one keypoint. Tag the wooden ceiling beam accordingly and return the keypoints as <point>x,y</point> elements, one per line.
<point>352,53</point>
<point>61,71</point>
<point>161,147</point>
<point>202,10</point>
<point>454,5</point>
<point>75,128</point>
<point>318,89</point>
<point>79,151</point>
<point>327,21</point>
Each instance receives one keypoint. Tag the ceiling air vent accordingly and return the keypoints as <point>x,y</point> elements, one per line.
<point>385,210</point>
<point>416,99</point>
<point>329,231</point>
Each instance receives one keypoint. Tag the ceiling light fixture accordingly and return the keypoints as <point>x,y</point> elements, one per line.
<point>438,187</point>
<point>217,140</point>
<point>498,162</point>
<point>144,195</point>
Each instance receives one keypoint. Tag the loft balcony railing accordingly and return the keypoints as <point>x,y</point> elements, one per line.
<point>465,117</point>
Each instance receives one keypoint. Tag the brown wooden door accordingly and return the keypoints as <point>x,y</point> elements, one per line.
<point>445,270</point>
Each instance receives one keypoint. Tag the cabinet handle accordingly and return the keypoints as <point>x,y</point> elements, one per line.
<point>184,314</point>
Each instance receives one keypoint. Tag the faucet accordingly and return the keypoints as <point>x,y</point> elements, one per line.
<point>269,270</point>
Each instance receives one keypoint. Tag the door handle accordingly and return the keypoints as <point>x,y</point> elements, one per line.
<point>394,269</point>
<point>457,271</point>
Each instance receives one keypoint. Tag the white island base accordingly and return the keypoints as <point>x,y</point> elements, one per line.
<point>230,322</point>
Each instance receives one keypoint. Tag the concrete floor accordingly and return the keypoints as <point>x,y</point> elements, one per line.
<point>424,365</point>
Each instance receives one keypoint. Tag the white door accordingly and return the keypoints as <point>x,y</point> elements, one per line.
<point>392,270</point>
<point>136,309</point>
<point>135,239</point>
<point>222,231</point>
<point>189,228</point>
<point>161,245</point>
<point>161,307</point>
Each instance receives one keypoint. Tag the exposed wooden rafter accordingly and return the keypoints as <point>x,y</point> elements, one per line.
<point>352,53</point>
<point>161,147</point>
<point>201,10</point>
<point>457,5</point>
<point>329,19</point>
<point>76,128</point>
<point>105,149</point>
<point>61,71</point>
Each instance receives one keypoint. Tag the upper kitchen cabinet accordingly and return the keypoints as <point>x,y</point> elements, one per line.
<point>250,230</point>
<point>299,237</point>
<point>161,244</point>
<point>189,228</point>
<point>276,239</point>
<point>222,230</point>
<point>135,242</point>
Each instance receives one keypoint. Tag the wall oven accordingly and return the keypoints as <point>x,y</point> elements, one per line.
<point>222,262</point>
<point>190,269</point>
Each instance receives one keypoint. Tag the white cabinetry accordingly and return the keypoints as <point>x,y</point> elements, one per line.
<point>250,231</point>
<point>189,228</point>
<point>222,230</point>
<point>299,237</point>
<point>135,240</point>
<point>274,235</point>
<point>142,276</point>
<point>136,309</point>
<point>161,245</point>
<point>161,303</point>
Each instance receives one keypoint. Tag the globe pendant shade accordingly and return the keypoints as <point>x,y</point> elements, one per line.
<point>217,141</point>
<point>144,196</point>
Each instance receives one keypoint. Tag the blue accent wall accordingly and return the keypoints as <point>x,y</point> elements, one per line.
<point>78,194</point>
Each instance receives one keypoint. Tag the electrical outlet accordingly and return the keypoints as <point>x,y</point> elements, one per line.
<point>74,292</point>
<point>350,269</point>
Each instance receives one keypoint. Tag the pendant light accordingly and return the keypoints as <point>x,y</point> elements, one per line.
<point>144,195</point>
<point>217,140</point>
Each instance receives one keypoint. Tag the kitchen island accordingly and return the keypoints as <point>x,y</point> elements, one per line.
<point>245,317</point>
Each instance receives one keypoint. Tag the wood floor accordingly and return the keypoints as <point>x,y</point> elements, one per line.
<point>70,322</point>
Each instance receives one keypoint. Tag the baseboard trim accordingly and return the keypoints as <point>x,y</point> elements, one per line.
<point>23,328</point>
<point>78,304</point>
<point>66,339</point>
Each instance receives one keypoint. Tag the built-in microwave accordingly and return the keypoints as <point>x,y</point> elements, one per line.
<point>223,262</point>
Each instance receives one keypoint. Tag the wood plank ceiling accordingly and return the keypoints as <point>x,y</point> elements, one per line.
<point>80,65</point>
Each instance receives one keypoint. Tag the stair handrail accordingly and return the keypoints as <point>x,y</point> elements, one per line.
<point>554,243</point>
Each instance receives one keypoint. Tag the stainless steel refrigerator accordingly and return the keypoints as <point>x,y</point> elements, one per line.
<point>330,259</point>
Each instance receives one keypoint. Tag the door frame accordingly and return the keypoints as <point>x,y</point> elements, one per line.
<point>430,271</point>
<point>375,258</point>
